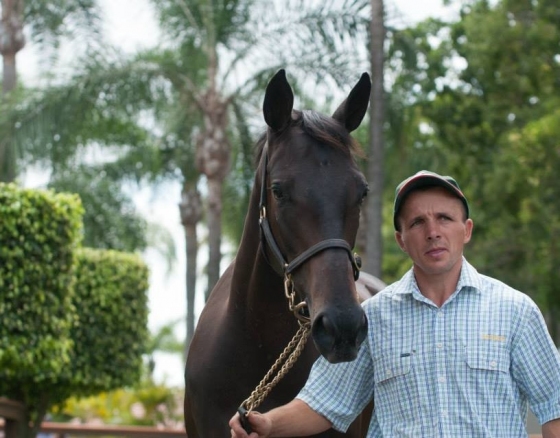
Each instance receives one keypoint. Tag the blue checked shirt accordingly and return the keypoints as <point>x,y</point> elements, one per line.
<point>467,369</point>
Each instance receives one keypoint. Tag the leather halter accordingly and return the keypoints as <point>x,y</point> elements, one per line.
<point>267,236</point>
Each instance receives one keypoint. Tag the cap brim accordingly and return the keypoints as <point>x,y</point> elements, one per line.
<point>421,181</point>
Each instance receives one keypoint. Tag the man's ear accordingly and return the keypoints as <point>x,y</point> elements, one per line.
<point>469,225</point>
<point>398,238</point>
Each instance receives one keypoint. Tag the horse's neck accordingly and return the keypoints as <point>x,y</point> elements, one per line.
<point>254,280</point>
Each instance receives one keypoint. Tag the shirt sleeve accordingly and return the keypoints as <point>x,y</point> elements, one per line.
<point>536,365</point>
<point>341,391</point>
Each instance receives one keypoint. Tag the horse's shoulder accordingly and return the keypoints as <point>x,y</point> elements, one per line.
<point>368,285</point>
<point>222,288</point>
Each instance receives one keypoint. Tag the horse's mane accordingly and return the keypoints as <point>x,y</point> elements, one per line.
<point>322,128</point>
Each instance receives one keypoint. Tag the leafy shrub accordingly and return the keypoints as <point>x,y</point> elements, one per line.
<point>111,332</point>
<point>39,234</point>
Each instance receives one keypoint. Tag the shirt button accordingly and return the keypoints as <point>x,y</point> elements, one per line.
<point>493,364</point>
<point>440,314</point>
<point>444,413</point>
<point>389,373</point>
<point>441,379</point>
<point>439,345</point>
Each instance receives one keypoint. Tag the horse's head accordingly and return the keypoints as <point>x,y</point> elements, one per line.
<point>312,194</point>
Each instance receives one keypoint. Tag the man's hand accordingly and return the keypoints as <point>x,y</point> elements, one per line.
<point>260,425</point>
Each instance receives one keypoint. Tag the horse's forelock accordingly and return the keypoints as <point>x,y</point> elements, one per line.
<point>322,128</point>
<point>328,131</point>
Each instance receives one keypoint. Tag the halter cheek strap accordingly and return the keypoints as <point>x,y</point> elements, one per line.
<point>268,238</point>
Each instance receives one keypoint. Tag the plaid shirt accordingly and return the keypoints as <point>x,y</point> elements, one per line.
<point>467,369</point>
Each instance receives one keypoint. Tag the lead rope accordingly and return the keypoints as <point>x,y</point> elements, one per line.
<point>285,361</point>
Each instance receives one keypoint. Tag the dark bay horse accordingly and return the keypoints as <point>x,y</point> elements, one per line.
<point>300,227</point>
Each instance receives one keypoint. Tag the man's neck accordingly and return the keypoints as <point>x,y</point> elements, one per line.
<point>438,288</point>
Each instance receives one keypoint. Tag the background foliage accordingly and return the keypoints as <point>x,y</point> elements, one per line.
<point>477,98</point>
<point>110,334</point>
<point>147,404</point>
<point>40,233</point>
<point>74,320</point>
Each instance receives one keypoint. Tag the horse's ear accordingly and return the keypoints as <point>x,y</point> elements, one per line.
<point>278,101</point>
<point>351,112</point>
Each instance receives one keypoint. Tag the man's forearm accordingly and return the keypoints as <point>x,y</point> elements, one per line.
<point>551,429</point>
<point>296,418</point>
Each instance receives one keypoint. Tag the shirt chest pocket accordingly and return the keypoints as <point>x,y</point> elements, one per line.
<point>392,366</point>
<point>396,389</point>
<point>488,378</point>
<point>488,357</point>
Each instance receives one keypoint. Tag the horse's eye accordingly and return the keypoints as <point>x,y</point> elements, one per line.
<point>277,192</point>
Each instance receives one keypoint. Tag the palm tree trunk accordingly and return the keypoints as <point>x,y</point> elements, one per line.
<point>191,214</point>
<point>374,206</point>
<point>11,42</point>
<point>213,155</point>
<point>192,254</point>
<point>9,74</point>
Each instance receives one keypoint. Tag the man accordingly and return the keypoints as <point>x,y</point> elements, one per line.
<point>449,353</point>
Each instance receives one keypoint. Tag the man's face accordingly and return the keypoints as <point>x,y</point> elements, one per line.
<point>433,230</point>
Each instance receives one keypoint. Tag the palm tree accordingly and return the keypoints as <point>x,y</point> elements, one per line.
<point>58,127</point>
<point>11,41</point>
<point>47,23</point>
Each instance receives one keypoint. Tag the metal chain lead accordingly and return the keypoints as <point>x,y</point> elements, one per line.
<point>289,357</point>
<point>297,309</point>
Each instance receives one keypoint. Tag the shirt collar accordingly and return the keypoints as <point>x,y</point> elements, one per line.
<point>468,279</point>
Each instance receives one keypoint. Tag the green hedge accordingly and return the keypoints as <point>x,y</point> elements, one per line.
<point>73,321</point>
<point>111,333</point>
<point>39,234</point>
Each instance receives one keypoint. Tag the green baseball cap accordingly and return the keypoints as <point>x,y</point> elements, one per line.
<point>425,178</point>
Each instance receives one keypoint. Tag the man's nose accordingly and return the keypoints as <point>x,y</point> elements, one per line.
<point>433,231</point>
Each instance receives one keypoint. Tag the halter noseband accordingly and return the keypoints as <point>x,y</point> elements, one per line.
<point>266,236</point>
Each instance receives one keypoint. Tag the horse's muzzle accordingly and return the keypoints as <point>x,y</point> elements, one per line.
<point>338,335</point>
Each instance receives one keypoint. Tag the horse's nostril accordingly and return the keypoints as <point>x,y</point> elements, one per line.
<point>327,325</point>
<point>323,333</point>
